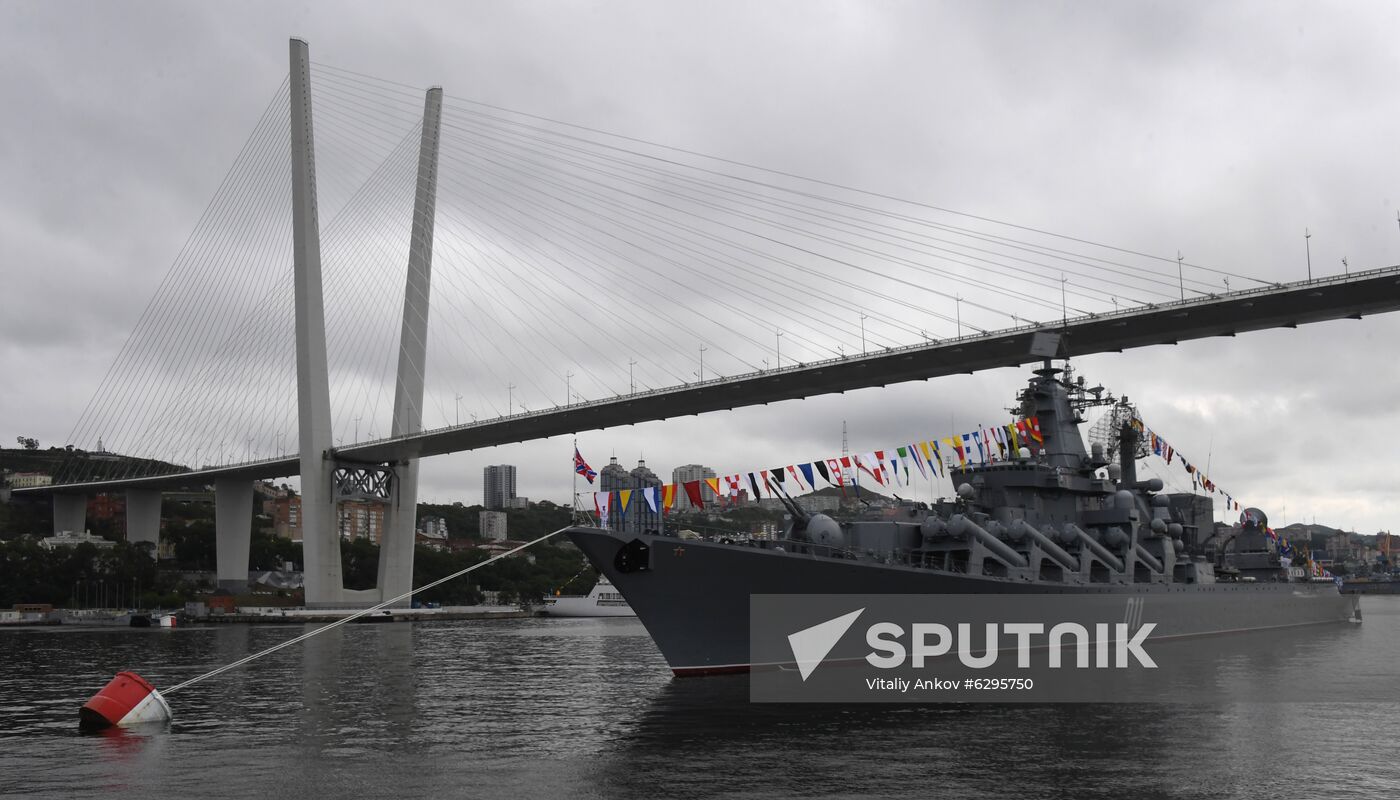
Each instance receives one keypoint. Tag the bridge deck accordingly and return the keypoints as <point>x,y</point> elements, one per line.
<point>1283,305</point>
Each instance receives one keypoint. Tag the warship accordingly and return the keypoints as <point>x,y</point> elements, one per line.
<point>1052,518</point>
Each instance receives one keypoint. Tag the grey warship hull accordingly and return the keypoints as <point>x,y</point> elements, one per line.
<point>693,596</point>
<point>1047,516</point>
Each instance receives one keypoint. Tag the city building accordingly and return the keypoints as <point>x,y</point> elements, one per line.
<point>1343,547</point>
<point>518,503</point>
<point>435,527</point>
<point>498,486</point>
<point>686,474</point>
<point>493,525</point>
<point>286,517</point>
<point>29,480</point>
<point>111,509</point>
<point>614,476</point>
<point>637,516</point>
<point>267,494</point>
<point>818,503</point>
<point>434,541</point>
<point>361,519</point>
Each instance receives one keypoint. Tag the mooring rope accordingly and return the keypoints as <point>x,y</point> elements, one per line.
<point>569,581</point>
<point>240,662</point>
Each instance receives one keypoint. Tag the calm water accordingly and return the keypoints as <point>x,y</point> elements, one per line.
<point>556,709</point>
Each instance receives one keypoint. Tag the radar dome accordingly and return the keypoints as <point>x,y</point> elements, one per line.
<point>1253,518</point>
<point>822,529</point>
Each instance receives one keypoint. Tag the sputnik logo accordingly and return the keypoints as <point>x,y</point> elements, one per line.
<point>811,645</point>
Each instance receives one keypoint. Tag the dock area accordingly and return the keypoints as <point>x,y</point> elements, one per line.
<point>297,616</point>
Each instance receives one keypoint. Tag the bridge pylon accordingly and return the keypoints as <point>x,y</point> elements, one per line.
<point>320,539</point>
<point>396,545</point>
<point>325,479</point>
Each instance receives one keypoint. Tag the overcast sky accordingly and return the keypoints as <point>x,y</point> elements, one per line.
<point>1221,131</point>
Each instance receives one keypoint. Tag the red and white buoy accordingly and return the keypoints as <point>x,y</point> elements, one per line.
<point>128,700</point>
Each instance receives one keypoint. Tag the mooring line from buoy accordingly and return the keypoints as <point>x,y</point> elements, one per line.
<point>240,662</point>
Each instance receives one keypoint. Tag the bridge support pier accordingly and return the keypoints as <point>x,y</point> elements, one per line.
<point>143,517</point>
<point>400,533</point>
<point>69,513</point>
<point>233,532</point>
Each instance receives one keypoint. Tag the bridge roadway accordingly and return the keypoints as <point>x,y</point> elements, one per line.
<point>1275,306</point>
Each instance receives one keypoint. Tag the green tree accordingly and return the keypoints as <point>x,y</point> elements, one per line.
<point>359,559</point>
<point>194,544</point>
<point>270,552</point>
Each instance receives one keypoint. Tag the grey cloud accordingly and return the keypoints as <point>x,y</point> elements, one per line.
<point>1222,133</point>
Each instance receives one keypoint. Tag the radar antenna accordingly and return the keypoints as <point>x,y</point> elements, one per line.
<point>1107,430</point>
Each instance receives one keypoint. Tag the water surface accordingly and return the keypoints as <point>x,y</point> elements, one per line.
<point>577,708</point>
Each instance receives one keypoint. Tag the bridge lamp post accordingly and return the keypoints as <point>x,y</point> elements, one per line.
<point>568,388</point>
<point>357,430</point>
<point>862,334</point>
<point>778,355</point>
<point>1307,242</point>
<point>631,381</point>
<point>510,399</point>
<point>701,374</point>
<point>1180,279</point>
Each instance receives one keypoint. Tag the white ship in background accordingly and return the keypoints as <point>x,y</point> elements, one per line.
<point>603,601</point>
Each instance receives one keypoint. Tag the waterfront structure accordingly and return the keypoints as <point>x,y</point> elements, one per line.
<point>71,539</point>
<point>498,486</point>
<point>493,525</point>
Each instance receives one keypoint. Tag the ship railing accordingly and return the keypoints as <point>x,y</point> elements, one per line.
<point>809,548</point>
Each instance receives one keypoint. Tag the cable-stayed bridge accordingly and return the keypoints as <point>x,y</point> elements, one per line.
<point>618,281</point>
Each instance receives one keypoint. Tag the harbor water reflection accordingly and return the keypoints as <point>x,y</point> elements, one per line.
<point>586,708</point>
